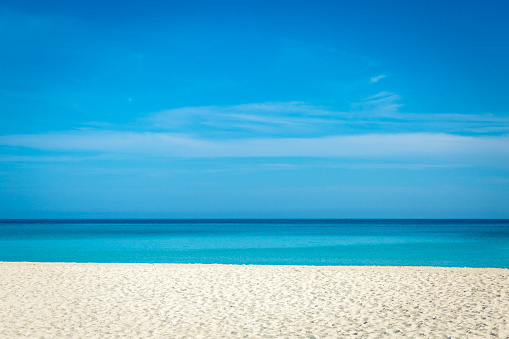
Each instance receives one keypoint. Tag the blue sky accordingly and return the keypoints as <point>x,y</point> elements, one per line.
<point>262,109</point>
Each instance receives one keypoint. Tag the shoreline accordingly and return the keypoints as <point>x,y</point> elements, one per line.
<point>242,265</point>
<point>265,301</point>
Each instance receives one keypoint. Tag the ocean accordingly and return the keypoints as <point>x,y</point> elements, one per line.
<point>450,243</point>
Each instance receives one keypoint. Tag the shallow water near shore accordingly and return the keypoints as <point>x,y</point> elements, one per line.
<point>449,243</point>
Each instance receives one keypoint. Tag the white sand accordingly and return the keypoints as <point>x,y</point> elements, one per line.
<point>54,300</point>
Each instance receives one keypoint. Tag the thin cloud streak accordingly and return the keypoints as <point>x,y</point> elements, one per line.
<point>379,113</point>
<point>376,79</point>
<point>367,146</point>
<point>267,118</point>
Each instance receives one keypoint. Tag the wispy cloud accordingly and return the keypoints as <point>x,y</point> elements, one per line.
<point>374,128</point>
<point>406,146</point>
<point>376,79</point>
<point>56,158</point>
<point>378,105</point>
<point>379,113</point>
<point>267,118</point>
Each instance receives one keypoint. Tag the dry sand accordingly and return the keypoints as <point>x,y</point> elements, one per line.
<point>56,300</point>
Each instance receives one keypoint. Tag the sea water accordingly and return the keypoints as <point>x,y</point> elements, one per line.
<point>456,243</point>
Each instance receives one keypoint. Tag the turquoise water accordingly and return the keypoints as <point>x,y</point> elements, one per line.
<point>470,243</point>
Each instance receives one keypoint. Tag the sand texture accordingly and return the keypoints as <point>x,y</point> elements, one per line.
<point>55,300</point>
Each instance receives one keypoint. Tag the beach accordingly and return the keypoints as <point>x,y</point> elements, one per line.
<point>68,300</point>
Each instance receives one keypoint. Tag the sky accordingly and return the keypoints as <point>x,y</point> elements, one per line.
<point>254,109</point>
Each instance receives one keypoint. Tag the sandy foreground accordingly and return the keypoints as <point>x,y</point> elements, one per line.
<point>65,300</point>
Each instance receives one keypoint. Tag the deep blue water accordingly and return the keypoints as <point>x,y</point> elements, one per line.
<point>470,243</point>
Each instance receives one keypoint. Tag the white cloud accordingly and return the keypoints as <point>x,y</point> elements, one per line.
<point>381,95</point>
<point>373,129</point>
<point>379,113</point>
<point>249,120</point>
<point>376,79</point>
<point>405,146</point>
<point>379,104</point>
<point>270,112</point>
